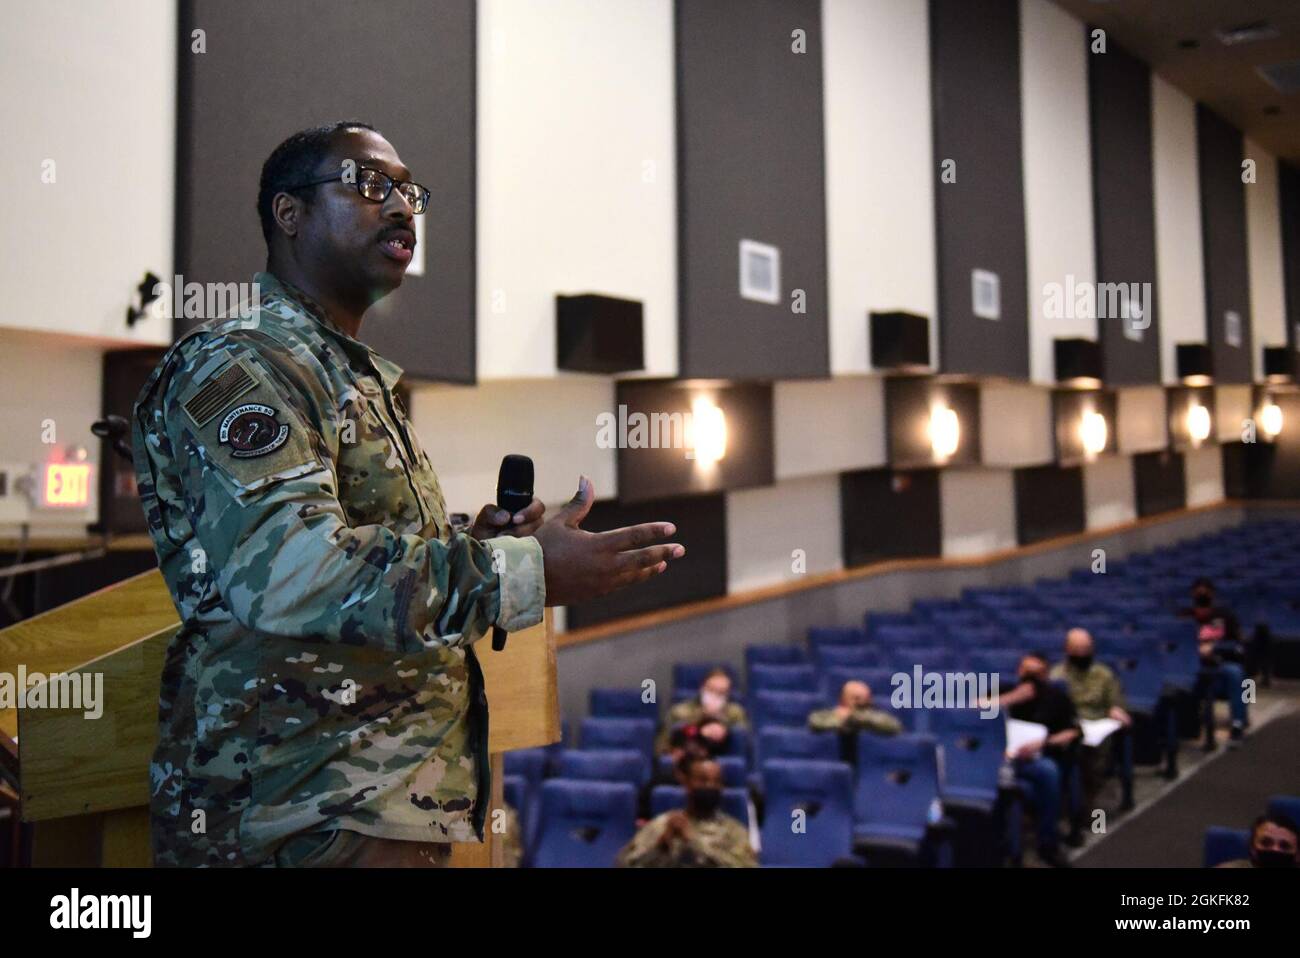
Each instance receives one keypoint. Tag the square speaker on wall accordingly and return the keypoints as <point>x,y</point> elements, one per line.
<point>900,341</point>
<point>1078,361</point>
<point>598,334</point>
<point>1195,363</point>
<point>1279,363</point>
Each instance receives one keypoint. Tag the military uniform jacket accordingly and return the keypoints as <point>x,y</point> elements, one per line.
<point>323,675</point>
<point>718,841</point>
<point>874,720</point>
<point>1094,692</point>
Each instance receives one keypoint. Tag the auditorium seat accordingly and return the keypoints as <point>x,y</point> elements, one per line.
<point>790,709</point>
<point>1225,844</point>
<point>1288,805</point>
<point>584,824</point>
<point>621,703</point>
<point>782,678</point>
<point>609,765</point>
<point>808,817</point>
<point>774,655</point>
<point>635,734</point>
<point>896,797</point>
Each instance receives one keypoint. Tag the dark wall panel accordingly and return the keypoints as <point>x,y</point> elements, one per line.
<point>1119,100</point>
<point>908,404</point>
<point>1049,502</point>
<point>980,218</point>
<point>700,574</point>
<point>751,166</point>
<point>270,69</point>
<point>1159,481</point>
<point>890,515</point>
<point>1223,234</point>
<point>1289,199</point>
<point>1267,470</point>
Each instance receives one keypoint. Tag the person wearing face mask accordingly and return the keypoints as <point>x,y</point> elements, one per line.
<point>1044,767</point>
<point>1274,843</point>
<point>1096,694</point>
<point>853,714</point>
<point>699,836</point>
<point>1222,661</point>
<point>713,701</point>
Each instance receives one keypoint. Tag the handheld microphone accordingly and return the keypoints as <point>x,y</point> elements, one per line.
<point>514,492</point>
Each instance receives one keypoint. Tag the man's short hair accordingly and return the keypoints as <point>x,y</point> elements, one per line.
<point>1280,820</point>
<point>295,161</point>
<point>1036,654</point>
<point>714,673</point>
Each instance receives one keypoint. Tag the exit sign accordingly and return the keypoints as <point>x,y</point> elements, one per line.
<point>65,485</point>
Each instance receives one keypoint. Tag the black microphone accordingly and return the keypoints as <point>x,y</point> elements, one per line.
<point>514,492</point>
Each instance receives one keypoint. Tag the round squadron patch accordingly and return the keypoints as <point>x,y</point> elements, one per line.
<point>252,430</point>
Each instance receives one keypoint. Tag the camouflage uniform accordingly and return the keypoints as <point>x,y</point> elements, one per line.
<point>691,712</point>
<point>718,841</point>
<point>876,721</point>
<point>322,677</point>
<point>1094,692</point>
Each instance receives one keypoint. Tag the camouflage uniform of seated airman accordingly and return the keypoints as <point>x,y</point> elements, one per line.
<point>718,841</point>
<point>323,676</point>
<point>691,712</point>
<point>873,720</point>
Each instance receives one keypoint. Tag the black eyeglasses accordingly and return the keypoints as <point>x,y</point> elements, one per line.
<point>376,186</point>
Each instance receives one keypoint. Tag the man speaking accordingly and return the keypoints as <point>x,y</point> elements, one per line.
<point>321,703</point>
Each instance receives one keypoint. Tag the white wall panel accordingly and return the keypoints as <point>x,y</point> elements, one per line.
<point>1264,245</point>
<point>1016,426</point>
<point>1204,473</point>
<point>1180,266</point>
<point>1232,406</point>
<point>1058,176</point>
<point>766,526</point>
<point>576,186</point>
<point>828,426</point>
<point>1108,493</point>
<point>879,169</point>
<point>1142,425</point>
<point>89,109</point>
<point>978,509</point>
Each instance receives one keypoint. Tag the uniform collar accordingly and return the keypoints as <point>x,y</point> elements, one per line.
<point>271,285</point>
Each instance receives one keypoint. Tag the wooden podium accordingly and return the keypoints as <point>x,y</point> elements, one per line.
<point>85,783</point>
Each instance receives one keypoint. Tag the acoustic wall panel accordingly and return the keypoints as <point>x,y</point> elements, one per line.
<point>1142,419</point>
<point>1180,268</point>
<point>888,514</point>
<point>1204,475</point>
<point>1108,492</point>
<point>832,425</point>
<point>1049,502</point>
<point>271,69</point>
<point>1015,424</point>
<point>783,532</point>
<point>1227,267</point>
<point>879,200</point>
<point>1264,240</point>
<point>1124,204</point>
<point>979,214</point>
<point>1158,482</point>
<point>751,190</point>
<point>1058,179</point>
<point>577,184</point>
<point>1288,187</point>
<point>701,523</point>
<point>979,511</point>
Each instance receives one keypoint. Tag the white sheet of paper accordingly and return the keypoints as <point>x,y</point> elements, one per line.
<point>1023,733</point>
<point>1095,731</point>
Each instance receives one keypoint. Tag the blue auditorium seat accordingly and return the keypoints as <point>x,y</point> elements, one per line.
<point>819,636</point>
<point>1225,844</point>
<point>584,824</point>
<point>784,708</point>
<point>621,703</point>
<point>896,794</point>
<point>848,656</point>
<point>783,678</point>
<point>973,750</point>
<point>689,676</point>
<point>823,793</point>
<point>877,679</point>
<point>635,734</point>
<point>610,765</point>
<point>774,655</point>
<point>528,763</point>
<point>787,743</point>
<point>1288,805</point>
<point>665,798</point>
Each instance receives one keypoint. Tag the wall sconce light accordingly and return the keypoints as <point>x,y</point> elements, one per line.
<point>709,431</point>
<point>1093,432</point>
<point>1270,419</point>
<point>944,430</point>
<point>1198,423</point>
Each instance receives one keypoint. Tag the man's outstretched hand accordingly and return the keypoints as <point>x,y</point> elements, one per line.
<point>581,565</point>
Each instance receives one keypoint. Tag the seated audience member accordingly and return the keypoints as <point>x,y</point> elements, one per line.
<point>1219,675</point>
<point>1096,694</point>
<point>685,746</point>
<point>698,837</point>
<point>713,701</point>
<point>1044,766</point>
<point>854,713</point>
<point>1274,843</point>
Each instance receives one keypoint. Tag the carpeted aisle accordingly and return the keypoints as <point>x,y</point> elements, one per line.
<point>1229,790</point>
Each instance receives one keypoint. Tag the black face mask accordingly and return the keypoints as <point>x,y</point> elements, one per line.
<point>705,801</point>
<point>1081,662</point>
<point>1274,859</point>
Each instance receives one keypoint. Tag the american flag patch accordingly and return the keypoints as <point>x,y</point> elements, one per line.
<point>219,393</point>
